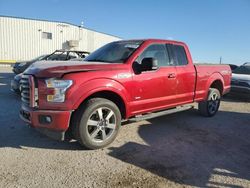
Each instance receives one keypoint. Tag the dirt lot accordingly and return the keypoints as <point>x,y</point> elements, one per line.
<point>177,150</point>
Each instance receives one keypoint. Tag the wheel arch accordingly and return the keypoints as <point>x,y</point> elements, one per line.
<point>217,84</point>
<point>103,88</point>
<point>112,96</point>
<point>108,93</point>
<point>215,81</point>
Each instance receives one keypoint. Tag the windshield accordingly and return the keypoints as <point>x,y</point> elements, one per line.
<point>39,58</point>
<point>242,70</point>
<point>115,52</point>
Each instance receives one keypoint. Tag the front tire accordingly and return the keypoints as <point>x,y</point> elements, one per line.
<point>99,123</point>
<point>210,106</point>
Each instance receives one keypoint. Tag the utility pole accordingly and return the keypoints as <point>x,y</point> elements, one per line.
<point>79,33</point>
<point>220,60</point>
<point>80,27</point>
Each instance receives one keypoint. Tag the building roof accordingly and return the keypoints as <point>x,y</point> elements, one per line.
<point>44,20</point>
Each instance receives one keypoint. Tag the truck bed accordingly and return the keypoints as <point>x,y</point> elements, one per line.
<point>207,72</point>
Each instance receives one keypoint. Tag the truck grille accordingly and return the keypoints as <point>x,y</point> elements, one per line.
<point>29,93</point>
<point>25,89</point>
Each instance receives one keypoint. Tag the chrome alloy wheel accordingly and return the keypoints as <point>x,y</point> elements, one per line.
<point>101,124</point>
<point>213,103</point>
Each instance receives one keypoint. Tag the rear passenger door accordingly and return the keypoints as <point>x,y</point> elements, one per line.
<point>185,75</point>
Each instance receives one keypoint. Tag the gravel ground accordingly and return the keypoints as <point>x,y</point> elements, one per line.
<point>178,150</point>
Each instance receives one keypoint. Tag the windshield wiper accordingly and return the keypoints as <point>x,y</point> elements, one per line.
<point>92,60</point>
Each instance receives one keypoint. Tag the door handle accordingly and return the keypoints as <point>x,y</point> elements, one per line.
<point>171,75</point>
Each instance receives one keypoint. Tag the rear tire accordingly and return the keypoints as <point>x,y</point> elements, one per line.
<point>97,123</point>
<point>210,106</point>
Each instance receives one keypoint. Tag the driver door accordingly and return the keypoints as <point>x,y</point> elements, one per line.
<point>155,89</point>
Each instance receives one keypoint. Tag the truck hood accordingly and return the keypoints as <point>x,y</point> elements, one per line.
<point>59,68</point>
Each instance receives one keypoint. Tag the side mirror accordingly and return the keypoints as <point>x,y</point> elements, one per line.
<point>149,64</point>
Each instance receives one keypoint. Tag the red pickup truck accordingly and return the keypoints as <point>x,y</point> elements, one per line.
<point>119,81</point>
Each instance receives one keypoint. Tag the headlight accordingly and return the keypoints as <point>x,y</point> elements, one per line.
<point>59,88</point>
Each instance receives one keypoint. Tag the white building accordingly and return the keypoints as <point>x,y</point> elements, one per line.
<point>23,39</point>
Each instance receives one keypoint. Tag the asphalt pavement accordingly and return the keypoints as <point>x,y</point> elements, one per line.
<point>178,150</point>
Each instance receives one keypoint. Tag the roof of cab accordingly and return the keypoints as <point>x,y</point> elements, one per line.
<point>154,40</point>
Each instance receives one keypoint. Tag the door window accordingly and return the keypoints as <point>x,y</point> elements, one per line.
<point>180,54</point>
<point>158,52</point>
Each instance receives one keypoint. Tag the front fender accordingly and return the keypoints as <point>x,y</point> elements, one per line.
<point>79,93</point>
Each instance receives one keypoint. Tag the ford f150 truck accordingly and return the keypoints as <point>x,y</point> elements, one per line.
<point>119,81</point>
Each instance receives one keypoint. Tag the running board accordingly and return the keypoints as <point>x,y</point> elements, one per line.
<point>161,113</point>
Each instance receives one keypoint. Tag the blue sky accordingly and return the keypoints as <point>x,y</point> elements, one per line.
<point>211,28</point>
